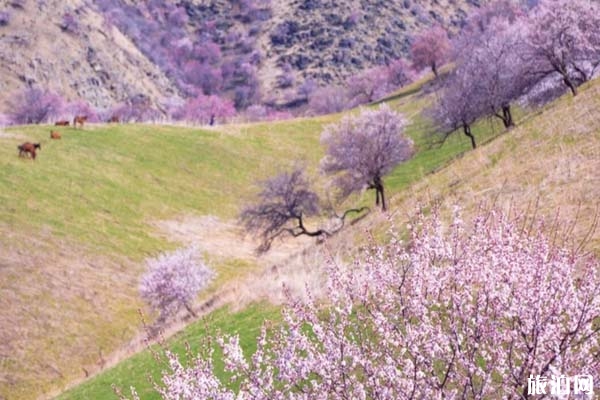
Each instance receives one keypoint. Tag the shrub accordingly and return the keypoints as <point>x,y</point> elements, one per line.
<point>82,107</point>
<point>327,100</point>
<point>33,106</point>
<point>4,18</point>
<point>69,23</point>
<point>136,109</point>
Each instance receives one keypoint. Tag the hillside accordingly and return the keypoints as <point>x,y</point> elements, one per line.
<point>109,51</point>
<point>88,59</point>
<point>79,221</point>
<point>538,169</point>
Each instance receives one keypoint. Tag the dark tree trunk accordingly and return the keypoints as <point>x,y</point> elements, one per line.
<point>434,69</point>
<point>383,206</point>
<point>303,230</point>
<point>507,116</point>
<point>467,131</point>
<point>378,186</point>
<point>567,80</point>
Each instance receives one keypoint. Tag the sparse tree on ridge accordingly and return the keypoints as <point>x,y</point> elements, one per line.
<point>173,280</point>
<point>361,150</point>
<point>564,39</point>
<point>430,49</point>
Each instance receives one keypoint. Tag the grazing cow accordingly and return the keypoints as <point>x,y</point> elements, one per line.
<point>54,135</point>
<point>28,147</point>
<point>114,119</point>
<point>79,119</point>
<point>62,122</point>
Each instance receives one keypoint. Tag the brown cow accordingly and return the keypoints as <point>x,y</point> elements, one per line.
<point>28,147</point>
<point>79,119</point>
<point>114,119</point>
<point>54,135</point>
<point>62,122</point>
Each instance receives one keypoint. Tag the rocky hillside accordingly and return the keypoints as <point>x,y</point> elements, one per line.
<point>65,46</point>
<point>108,51</point>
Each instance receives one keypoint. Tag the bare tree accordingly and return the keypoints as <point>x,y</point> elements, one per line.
<point>564,39</point>
<point>362,149</point>
<point>430,49</point>
<point>284,202</point>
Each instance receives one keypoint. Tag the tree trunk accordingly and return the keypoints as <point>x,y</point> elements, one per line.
<point>434,69</point>
<point>383,206</point>
<point>507,116</point>
<point>570,84</point>
<point>467,131</point>
<point>377,184</point>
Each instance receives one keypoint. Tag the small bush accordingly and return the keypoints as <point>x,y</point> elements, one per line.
<point>5,17</point>
<point>69,23</point>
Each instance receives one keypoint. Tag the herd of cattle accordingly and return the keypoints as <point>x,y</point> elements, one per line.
<point>29,149</point>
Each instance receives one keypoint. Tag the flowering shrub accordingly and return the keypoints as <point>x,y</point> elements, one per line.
<point>82,107</point>
<point>327,100</point>
<point>205,109</point>
<point>463,312</point>
<point>33,105</point>
<point>137,108</point>
<point>173,280</point>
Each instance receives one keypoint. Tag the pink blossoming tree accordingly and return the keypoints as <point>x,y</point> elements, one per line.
<point>361,150</point>
<point>564,39</point>
<point>430,49</point>
<point>172,281</point>
<point>467,311</point>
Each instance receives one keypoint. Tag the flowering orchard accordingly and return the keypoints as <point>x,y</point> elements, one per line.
<point>468,311</point>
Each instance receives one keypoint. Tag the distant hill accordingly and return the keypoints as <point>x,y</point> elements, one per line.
<point>109,51</point>
<point>95,62</point>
